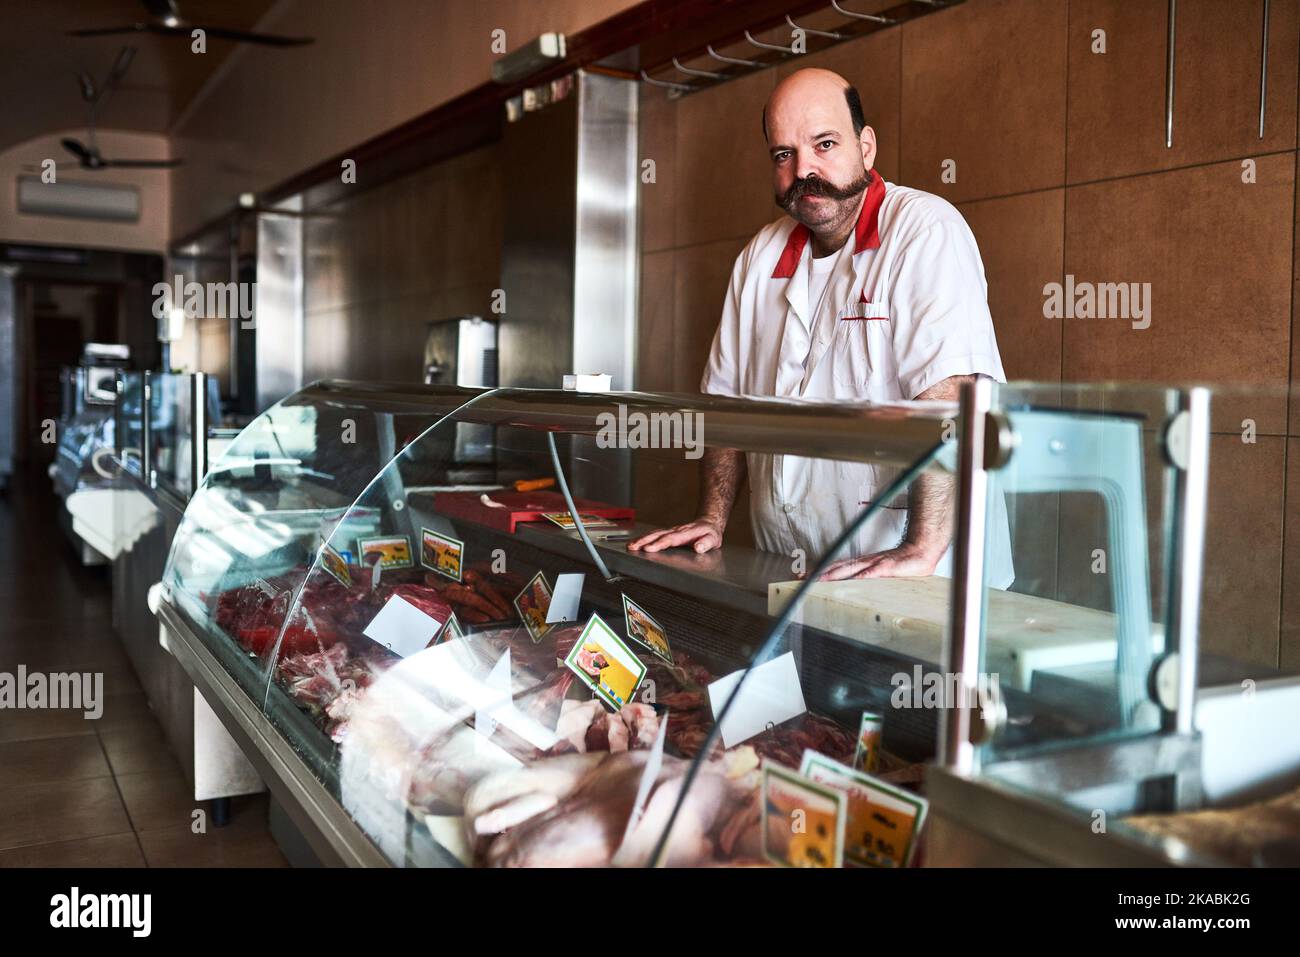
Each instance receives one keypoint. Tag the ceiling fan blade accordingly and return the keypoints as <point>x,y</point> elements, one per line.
<point>109,31</point>
<point>143,164</point>
<point>120,66</point>
<point>245,36</point>
<point>78,149</point>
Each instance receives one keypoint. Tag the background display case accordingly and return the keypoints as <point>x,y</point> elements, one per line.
<point>83,461</point>
<point>186,409</point>
<point>166,423</point>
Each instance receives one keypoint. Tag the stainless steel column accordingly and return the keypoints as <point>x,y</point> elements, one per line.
<point>198,430</point>
<point>962,651</point>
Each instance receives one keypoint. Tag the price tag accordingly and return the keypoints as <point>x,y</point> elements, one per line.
<point>771,694</point>
<point>402,628</point>
<point>565,598</point>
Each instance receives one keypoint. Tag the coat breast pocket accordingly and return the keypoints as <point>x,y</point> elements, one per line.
<point>864,311</point>
<point>858,350</point>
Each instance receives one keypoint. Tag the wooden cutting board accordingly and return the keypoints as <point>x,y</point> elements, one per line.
<point>910,616</point>
<point>519,507</point>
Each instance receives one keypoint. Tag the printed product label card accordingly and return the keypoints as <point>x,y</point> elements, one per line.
<point>883,821</point>
<point>450,632</point>
<point>871,729</point>
<point>532,604</point>
<point>402,628</point>
<point>394,551</point>
<point>605,664</point>
<point>441,553</point>
<point>803,821</point>
<point>335,565</point>
<point>643,629</point>
<point>565,520</point>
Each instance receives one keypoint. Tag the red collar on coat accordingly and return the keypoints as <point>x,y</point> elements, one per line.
<point>866,234</point>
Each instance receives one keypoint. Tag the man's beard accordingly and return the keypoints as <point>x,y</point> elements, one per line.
<point>844,197</point>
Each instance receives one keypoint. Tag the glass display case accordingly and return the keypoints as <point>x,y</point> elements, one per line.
<point>174,455</point>
<point>131,421</point>
<point>436,657</point>
<point>86,430</point>
<point>372,605</point>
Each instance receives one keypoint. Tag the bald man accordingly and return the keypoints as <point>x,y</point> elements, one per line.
<point>863,291</point>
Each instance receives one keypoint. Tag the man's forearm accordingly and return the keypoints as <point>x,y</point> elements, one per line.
<point>930,500</point>
<point>724,470</point>
<point>929,513</point>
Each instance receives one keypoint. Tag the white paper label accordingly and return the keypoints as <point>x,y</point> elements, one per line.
<point>653,762</point>
<point>565,598</point>
<point>771,694</point>
<point>402,628</point>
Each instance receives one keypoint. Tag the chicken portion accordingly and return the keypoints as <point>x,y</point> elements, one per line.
<point>573,810</point>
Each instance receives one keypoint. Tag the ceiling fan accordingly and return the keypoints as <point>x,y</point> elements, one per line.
<point>166,20</point>
<point>96,94</point>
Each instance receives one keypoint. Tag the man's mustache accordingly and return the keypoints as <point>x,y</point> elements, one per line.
<point>815,186</point>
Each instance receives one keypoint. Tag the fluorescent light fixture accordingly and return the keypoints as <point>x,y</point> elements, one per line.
<point>78,200</point>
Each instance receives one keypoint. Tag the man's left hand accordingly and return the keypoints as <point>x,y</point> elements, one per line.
<point>905,561</point>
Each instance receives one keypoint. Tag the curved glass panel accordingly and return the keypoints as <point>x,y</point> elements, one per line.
<point>399,641</point>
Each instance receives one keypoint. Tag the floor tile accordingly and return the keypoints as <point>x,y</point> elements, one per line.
<point>49,760</point>
<point>113,850</point>
<point>141,747</point>
<point>219,847</point>
<point>66,811</point>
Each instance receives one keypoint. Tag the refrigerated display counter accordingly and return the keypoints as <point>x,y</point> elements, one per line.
<point>366,608</point>
<point>83,464</point>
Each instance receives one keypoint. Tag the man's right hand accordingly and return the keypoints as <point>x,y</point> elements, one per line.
<point>704,535</point>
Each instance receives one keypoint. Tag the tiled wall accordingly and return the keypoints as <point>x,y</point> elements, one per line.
<point>381,265</point>
<point>1061,169</point>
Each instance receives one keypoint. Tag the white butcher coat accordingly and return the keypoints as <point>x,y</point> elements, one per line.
<point>905,306</point>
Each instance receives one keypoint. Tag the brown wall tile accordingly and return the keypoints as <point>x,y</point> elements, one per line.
<point>1293,418</point>
<point>1021,240</point>
<point>871,63</point>
<point>984,85</point>
<point>701,275</point>
<point>657,126</point>
<point>1289,652</point>
<point>1242,583</point>
<point>1117,99</point>
<point>1218,255</point>
<point>723,175</point>
<point>655,324</point>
